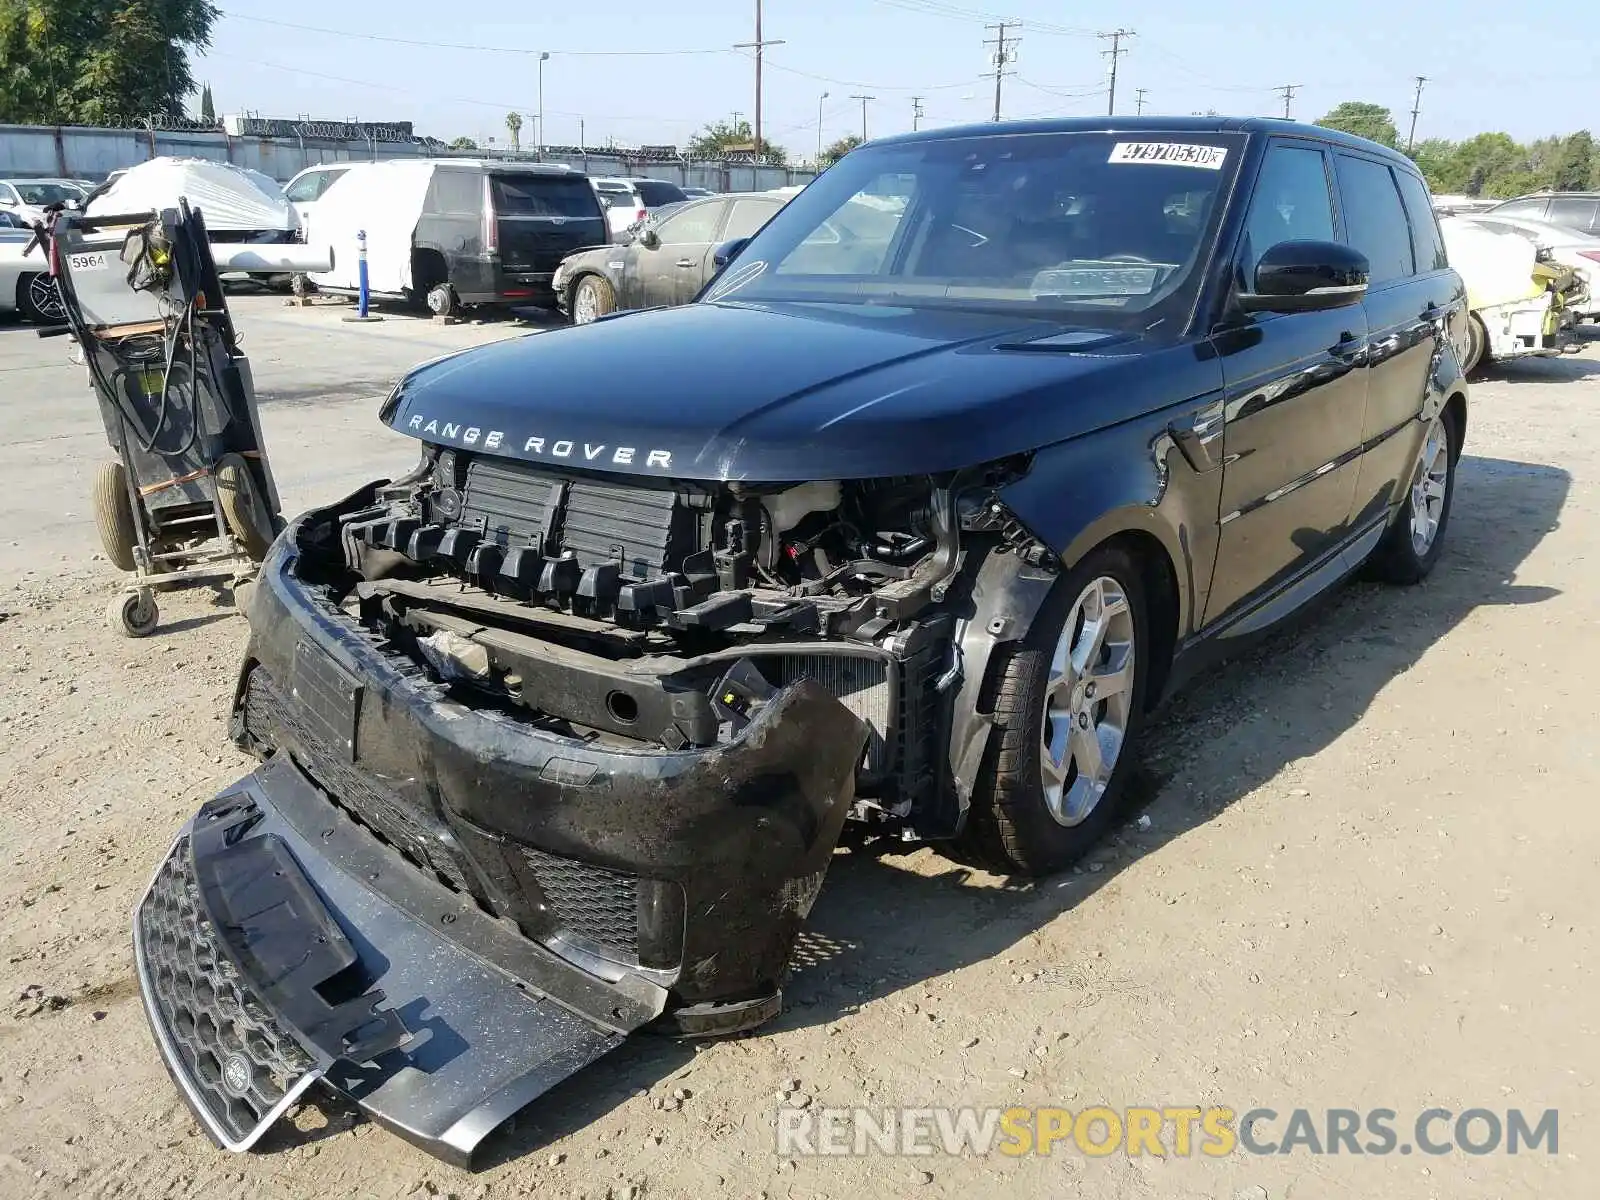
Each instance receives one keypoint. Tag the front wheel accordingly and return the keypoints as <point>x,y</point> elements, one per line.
<point>39,301</point>
<point>1069,709</point>
<point>591,300</point>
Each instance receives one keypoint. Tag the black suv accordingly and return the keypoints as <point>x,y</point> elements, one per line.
<point>975,448</point>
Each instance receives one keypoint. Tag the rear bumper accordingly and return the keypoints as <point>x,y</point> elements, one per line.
<point>1528,327</point>
<point>487,280</point>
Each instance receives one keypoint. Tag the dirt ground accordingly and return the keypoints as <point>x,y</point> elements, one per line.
<point>1364,883</point>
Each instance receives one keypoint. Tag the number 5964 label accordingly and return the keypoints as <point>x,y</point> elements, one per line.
<point>99,260</point>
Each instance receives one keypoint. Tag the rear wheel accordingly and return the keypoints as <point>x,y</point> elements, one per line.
<point>113,517</point>
<point>443,301</point>
<point>1477,345</point>
<point>1416,539</point>
<point>39,301</point>
<point>592,299</point>
<point>243,508</point>
<point>1069,709</point>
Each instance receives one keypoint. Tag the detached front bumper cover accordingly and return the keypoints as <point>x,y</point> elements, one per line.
<point>387,905</point>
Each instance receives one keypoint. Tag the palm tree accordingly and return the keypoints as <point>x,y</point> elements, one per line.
<point>514,126</point>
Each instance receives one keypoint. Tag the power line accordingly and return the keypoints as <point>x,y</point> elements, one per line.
<point>1003,54</point>
<point>1416,111</point>
<point>1117,51</point>
<point>863,100</point>
<point>1138,100</point>
<point>1287,91</point>
<point>758,46</point>
<point>860,83</point>
<point>435,45</point>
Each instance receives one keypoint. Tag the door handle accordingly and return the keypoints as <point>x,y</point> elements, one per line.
<point>686,262</point>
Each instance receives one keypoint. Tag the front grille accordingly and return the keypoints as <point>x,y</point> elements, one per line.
<point>861,685</point>
<point>276,723</point>
<point>212,1019</point>
<point>598,905</point>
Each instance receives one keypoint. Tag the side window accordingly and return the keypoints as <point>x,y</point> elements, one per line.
<point>306,188</point>
<point>1290,204</point>
<point>748,216</point>
<point>1523,208</point>
<point>1374,219</point>
<point>1574,212</point>
<point>7,192</point>
<point>459,193</point>
<point>1427,243</point>
<point>696,223</point>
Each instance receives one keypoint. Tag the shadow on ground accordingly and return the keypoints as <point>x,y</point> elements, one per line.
<point>878,927</point>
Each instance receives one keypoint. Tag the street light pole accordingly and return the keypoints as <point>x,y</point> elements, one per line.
<point>543,57</point>
<point>820,99</point>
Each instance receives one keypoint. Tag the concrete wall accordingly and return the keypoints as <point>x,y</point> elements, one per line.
<point>84,153</point>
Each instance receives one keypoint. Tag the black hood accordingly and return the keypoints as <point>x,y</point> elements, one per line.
<point>782,393</point>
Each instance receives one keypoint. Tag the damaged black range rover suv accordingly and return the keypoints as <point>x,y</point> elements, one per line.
<point>903,527</point>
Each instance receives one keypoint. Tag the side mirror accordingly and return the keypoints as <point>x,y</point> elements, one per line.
<point>1307,277</point>
<point>648,238</point>
<point>724,254</point>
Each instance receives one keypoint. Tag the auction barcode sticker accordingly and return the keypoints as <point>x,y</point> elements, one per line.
<point>1170,154</point>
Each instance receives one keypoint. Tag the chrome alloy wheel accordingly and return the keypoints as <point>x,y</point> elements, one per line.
<point>46,299</point>
<point>584,308</point>
<point>1428,484</point>
<point>1088,701</point>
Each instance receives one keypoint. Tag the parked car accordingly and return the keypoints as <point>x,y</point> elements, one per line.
<point>629,201</point>
<point>1578,211</point>
<point>908,520</point>
<point>698,193</point>
<point>1579,251</point>
<point>27,199</point>
<point>667,261</point>
<point>11,220</point>
<point>306,188</point>
<point>1521,300</point>
<point>25,284</point>
<point>456,232</point>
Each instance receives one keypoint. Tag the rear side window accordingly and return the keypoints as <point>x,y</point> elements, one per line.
<point>1427,243</point>
<point>696,223</point>
<point>1374,219</point>
<point>655,194</point>
<point>748,216</point>
<point>1574,212</point>
<point>1523,208</point>
<point>457,192</point>
<point>1290,204</point>
<point>543,196</point>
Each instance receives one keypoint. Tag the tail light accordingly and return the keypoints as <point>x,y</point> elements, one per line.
<point>1591,255</point>
<point>641,214</point>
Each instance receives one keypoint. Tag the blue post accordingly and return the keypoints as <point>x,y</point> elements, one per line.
<point>361,261</point>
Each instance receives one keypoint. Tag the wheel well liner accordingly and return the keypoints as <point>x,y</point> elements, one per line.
<point>428,268</point>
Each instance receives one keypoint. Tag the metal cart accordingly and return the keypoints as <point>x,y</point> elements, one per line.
<point>190,497</point>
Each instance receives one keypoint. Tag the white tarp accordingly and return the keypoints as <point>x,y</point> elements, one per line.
<point>1496,265</point>
<point>230,198</point>
<point>385,199</point>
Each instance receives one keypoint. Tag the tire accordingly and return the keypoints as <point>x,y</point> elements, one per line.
<point>1477,346</point>
<point>243,509</point>
<point>39,301</point>
<point>1407,555</point>
<point>592,299</point>
<point>133,614</point>
<point>443,301</point>
<point>113,517</point>
<point>1013,826</point>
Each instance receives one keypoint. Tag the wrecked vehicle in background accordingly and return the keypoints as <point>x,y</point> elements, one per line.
<point>561,729</point>
<point>1523,302</point>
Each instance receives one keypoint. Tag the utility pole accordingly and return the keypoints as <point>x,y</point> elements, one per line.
<point>1287,91</point>
<point>1138,100</point>
<point>544,57</point>
<point>820,99</point>
<point>1005,51</point>
<point>1416,111</point>
<point>863,100</point>
<point>1117,51</point>
<point>916,113</point>
<point>759,45</point>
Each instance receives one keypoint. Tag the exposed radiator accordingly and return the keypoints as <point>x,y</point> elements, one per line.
<point>861,685</point>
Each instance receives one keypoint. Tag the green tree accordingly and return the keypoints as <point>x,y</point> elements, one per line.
<point>1364,120</point>
<point>514,128</point>
<point>721,137</point>
<point>463,143</point>
<point>839,149</point>
<point>93,61</point>
<point>1436,158</point>
<point>1575,166</point>
<point>208,107</point>
<point>1493,164</point>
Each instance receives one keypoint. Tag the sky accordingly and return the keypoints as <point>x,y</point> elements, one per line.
<point>655,73</point>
